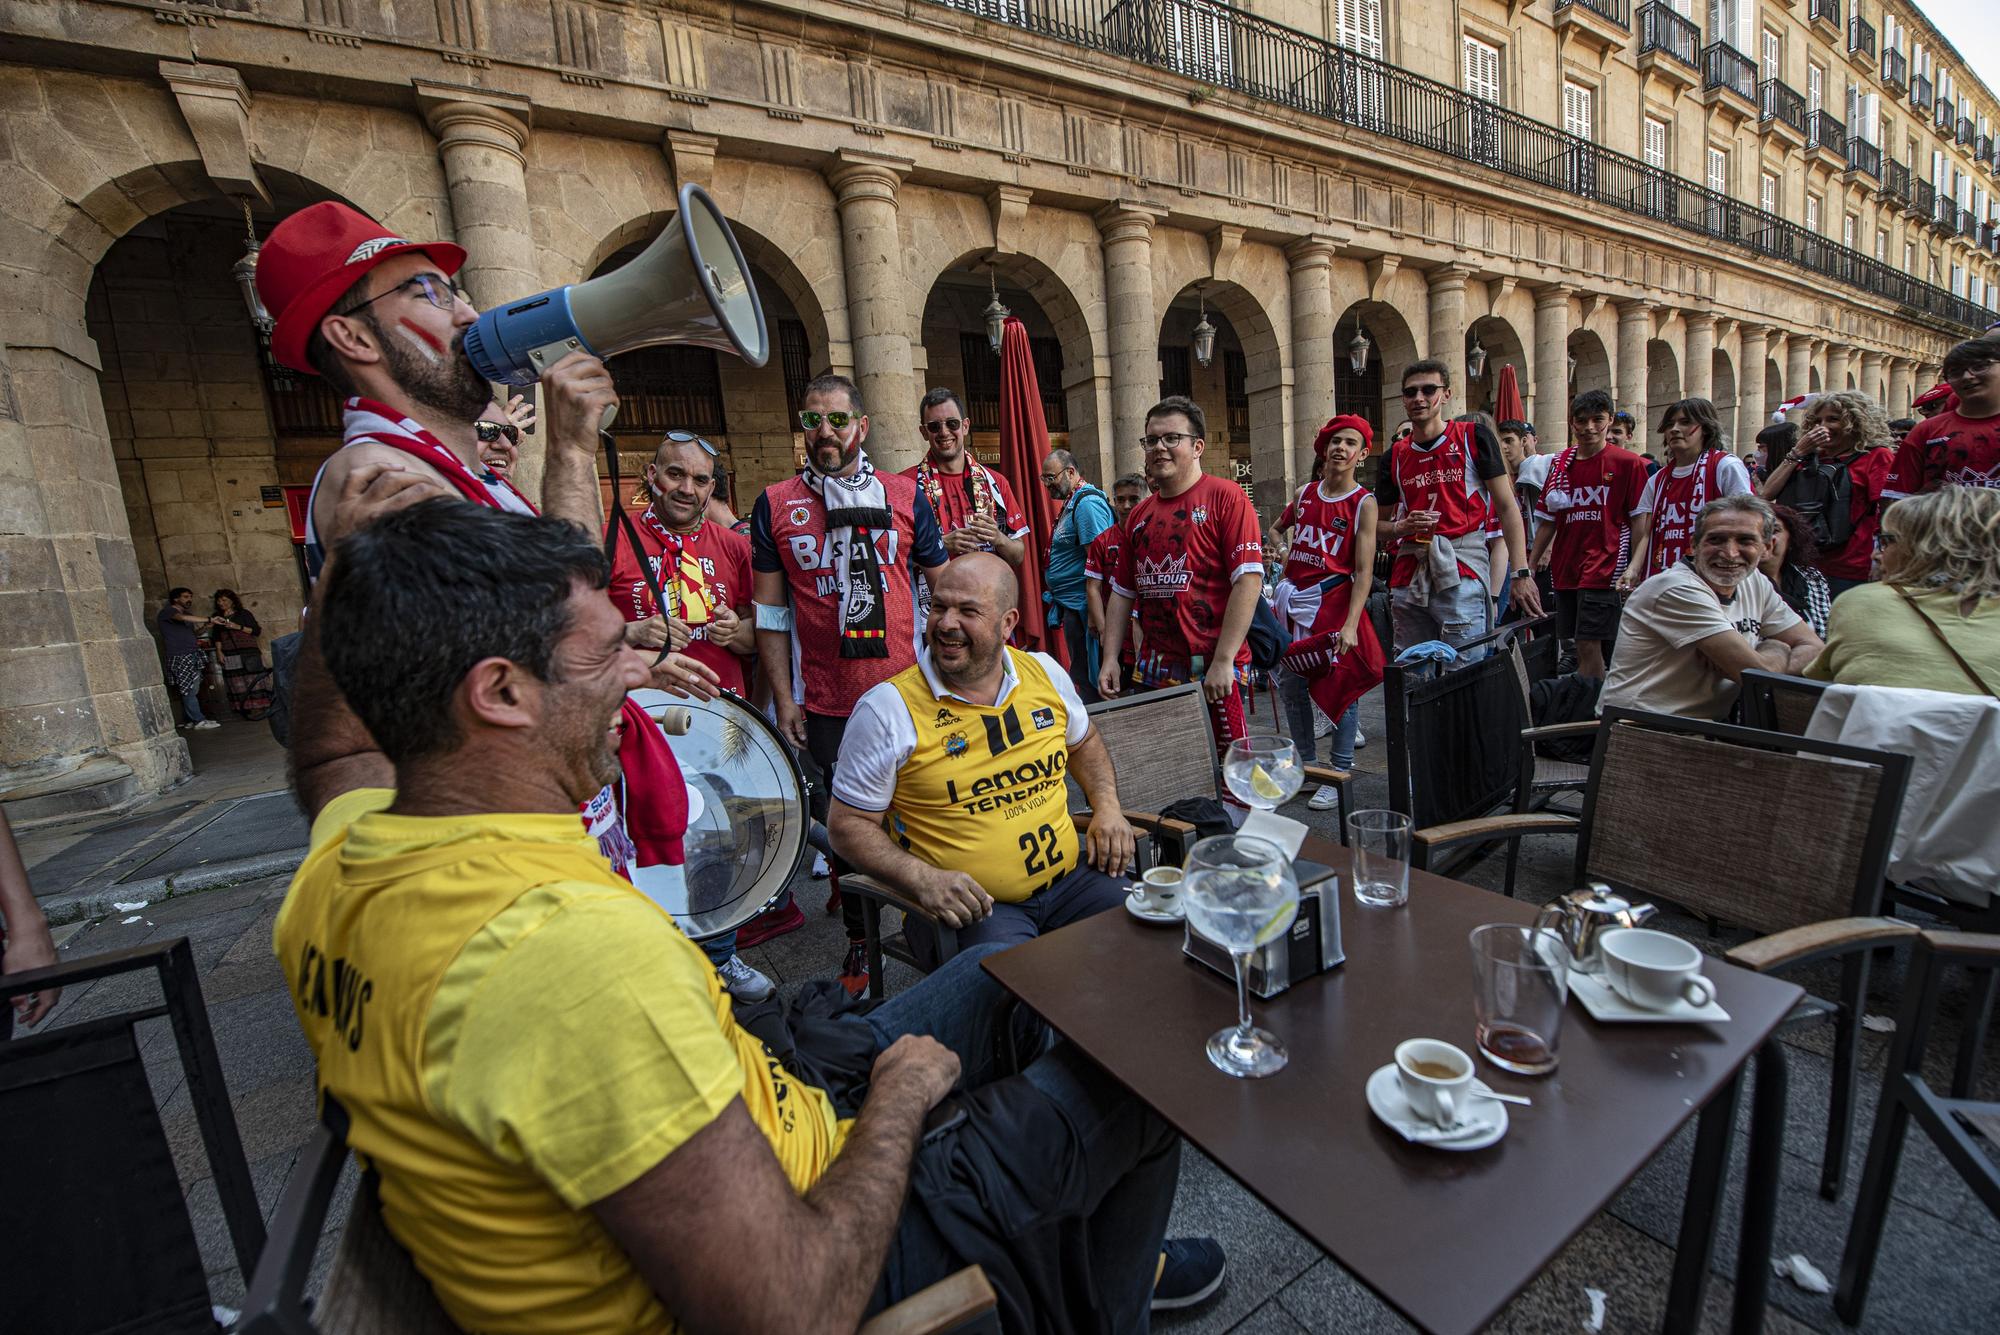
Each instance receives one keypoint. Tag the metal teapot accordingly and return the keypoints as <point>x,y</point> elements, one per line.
<point>1580,917</point>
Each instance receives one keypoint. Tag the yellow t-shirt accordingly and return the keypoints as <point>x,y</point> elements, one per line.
<point>515,1033</point>
<point>1874,639</point>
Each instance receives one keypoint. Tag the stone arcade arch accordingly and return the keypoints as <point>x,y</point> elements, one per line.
<point>1375,392</point>
<point>1261,413</point>
<point>1663,384</point>
<point>1723,381</point>
<point>1591,366</point>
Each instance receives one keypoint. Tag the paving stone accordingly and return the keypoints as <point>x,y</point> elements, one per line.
<point>1265,1254</point>
<point>1270,1319</point>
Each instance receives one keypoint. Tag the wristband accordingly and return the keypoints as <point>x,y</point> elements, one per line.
<point>1523,574</point>
<point>771,618</point>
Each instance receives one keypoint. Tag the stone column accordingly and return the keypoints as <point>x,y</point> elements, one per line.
<point>1899,388</point>
<point>871,244</point>
<point>1836,368</point>
<point>1133,328</point>
<point>1448,325</point>
<point>1552,366</point>
<point>482,138</point>
<point>1311,261</point>
<point>1798,366</point>
<point>1698,379</point>
<point>1873,384</point>
<point>1635,326</point>
<point>1750,405</point>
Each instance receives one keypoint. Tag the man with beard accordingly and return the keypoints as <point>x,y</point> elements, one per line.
<point>975,508</point>
<point>1690,632</point>
<point>952,772</point>
<point>1084,515</point>
<point>834,551</point>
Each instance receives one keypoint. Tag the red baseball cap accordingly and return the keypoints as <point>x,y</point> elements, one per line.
<point>313,257</point>
<point>1345,422</point>
<point>1938,393</point>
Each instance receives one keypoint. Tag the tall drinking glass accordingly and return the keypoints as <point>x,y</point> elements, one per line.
<point>1520,982</point>
<point>1263,772</point>
<point>1241,892</point>
<point>1379,843</point>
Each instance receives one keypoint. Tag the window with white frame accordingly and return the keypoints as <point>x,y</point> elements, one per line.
<point>1654,147</point>
<point>1358,28</point>
<point>1481,63</point>
<point>1774,56</point>
<point>1718,169</point>
<point>1881,245</point>
<point>1812,212</point>
<point>1815,88</point>
<point>1958,280</point>
<point>1910,258</point>
<point>1848,225</point>
<point>1579,110</point>
<point>1767,191</point>
<point>1198,40</point>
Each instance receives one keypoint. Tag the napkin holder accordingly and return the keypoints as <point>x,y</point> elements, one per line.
<point>1311,946</point>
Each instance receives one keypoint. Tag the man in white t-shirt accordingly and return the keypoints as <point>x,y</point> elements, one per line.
<point>1690,632</point>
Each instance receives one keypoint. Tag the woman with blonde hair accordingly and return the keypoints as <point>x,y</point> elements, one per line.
<point>1933,622</point>
<point>1834,477</point>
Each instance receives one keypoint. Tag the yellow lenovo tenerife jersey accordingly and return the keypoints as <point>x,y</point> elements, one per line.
<point>983,792</point>
<point>515,1033</point>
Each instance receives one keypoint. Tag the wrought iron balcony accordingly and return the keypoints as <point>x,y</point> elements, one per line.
<point>1966,130</point>
<point>1920,92</point>
<point>1860,36</point>
<point>1943,114</point>
<point>1895,181</point>
<point>1944,214</point>
<point>1724,67</point>
<point>1968,224</point>
<point>1895,70</point>
<point>1923,199</point>
<point>1824,11</point>
<point>1618,11</point>
<point>1863,156</point>
<point>1780,103</point>
<point>1663,30</point>
<point>1982,149</point>
<point>1823,131</point>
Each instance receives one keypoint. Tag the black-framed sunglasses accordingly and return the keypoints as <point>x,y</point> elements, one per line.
<point>690,438</point>
<point>1422,391</point>
<point>838,421</point>
<point>438,290</point>
<point>951,424</point>
<point>492,431</point>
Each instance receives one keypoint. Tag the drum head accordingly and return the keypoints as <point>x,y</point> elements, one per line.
<point>747,817</point>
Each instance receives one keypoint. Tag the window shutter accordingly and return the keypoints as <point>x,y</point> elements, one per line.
<point>1577,117</point>
<point>1815,87</point>
<point>1656,142</point>
<point>1767,193</point>
<point>1482,70</point>
<point>1718,170</point>
<point>1774,55</point>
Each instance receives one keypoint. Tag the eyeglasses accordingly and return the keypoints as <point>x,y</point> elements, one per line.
<point>492,431</point>
<point>690,438</point>
<point>1057,476</point>
<point>838,421</point>
<point>1422,391</point>
<point>438,290</point>
<point>951,424</point>
<point>1171,439</point>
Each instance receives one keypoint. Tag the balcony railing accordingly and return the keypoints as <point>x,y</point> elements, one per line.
<point>1824,11</point>
<point>1618,11</point>
<point>1779,101</point>
<point>1895,69</point>
<point>1944,114</point>
<point>1860,36</point>
<point>1944,213</point>
<point>1823,131</point>
<point>1920,93</point>
<point>1982,148</point>
<point>1863,156</point>
<point>1723,66</point>
<point>1895,181</point>
<point>1284,67</point>
<point>1661,29</point>
<point>1923,198</point>
<point>1968,225</point>
<point>1967,131</point>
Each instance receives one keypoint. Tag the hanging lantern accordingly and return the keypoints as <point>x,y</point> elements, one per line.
<point>244,271</point>
<point>1475,360</point>
<point>996,314</point>
<point>1204,335</point>
<point>1358,348</point>
<point>1572,367</point>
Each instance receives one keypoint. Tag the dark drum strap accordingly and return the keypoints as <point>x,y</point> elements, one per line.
<point>622,523</point>
<point>1956,657</point>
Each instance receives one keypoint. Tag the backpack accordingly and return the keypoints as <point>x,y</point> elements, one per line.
<point>1268,638</point>
<point>1823,494</point>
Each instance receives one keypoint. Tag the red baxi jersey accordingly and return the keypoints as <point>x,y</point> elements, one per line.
<point>956,494</point>
<point>1322,533</point>
<point>791,514</point>
<point>1590,501</point>
<point>1180,556</point>
<point>1949,450</point>
<point>724,557</point>
<point>1448,475</point>
<point>1100,559</point>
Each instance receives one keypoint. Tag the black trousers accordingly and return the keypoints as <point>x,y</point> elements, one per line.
<point>823,734</point>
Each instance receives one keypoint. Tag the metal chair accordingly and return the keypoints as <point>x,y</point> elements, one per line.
<point>1778,702</point>
<point>93,1209</point>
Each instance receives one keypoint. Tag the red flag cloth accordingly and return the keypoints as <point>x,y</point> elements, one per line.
<point>1507,405</point>
<point>1024,443</point>
<point>656,796</point>
<point>1336,680</point>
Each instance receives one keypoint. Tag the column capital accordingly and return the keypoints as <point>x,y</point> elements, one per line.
<point>1127,220</point>
<point>1311,252</point>
<point>1449,277</point>
<point>855,174</point>
<point>1869,357</point>
<point>1553,294</point>
<point>475,116</point>
<point>1698,320</point>
<point>1631,310</point>
<point>1760,332</point>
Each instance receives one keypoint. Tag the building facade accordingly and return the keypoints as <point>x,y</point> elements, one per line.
<point>1746,204</point>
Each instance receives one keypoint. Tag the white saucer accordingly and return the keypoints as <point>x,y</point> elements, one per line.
<point>1595,993</point>
<point>1154,915</point>
<point>1386,1101</point>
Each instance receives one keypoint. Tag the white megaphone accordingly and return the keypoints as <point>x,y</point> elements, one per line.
<point>689,286</point>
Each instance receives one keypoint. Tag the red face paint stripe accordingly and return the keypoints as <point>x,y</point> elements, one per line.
<point>430,339</point>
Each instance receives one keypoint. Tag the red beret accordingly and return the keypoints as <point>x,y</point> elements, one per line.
<point>1344,422</point>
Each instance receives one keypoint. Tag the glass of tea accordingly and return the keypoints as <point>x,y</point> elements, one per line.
<point>1520,982</point>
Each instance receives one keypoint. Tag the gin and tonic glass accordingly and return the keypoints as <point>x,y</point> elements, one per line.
<point>1240,893</point>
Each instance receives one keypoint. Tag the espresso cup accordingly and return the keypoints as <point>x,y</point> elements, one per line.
<point>1435,1077</point>
<point>1656,970</point>
<point>1159,888</point>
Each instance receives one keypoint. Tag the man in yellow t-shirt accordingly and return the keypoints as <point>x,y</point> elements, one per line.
<point>950,785</point>
<point>571,1131</point>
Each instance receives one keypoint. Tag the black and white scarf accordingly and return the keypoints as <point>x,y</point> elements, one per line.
<point>857,506</point>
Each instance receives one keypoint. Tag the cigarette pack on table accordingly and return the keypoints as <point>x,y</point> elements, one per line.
<point>1311,946</point>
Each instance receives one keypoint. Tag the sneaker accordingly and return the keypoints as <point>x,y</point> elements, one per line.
<point>206,723</point>
<point>743,982</point>
<point>1190,1272</point>
<point>1325,799</point>
<point>787,917</point>
<point>1359,740</point>
<point>820,869</point>
<point>1322,725</point>
<point>854,969</point>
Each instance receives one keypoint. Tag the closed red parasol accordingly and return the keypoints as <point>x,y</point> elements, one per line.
<point>1024,443</point>
<point>1507,405</point>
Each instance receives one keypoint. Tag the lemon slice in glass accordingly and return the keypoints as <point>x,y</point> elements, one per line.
<point>1266,787</point>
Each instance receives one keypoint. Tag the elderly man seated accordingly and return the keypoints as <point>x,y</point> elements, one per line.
<point>1690,632</point>
<point>950,781</point>
<point>573,1133</point>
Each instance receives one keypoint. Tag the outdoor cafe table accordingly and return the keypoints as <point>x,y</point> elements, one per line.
<point>1447,1238</point>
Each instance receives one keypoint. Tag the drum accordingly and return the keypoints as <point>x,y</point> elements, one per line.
<point>747,817</point>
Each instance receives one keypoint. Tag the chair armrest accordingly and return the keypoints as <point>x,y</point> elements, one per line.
<point>1560,730</point>
<point>1817,940</point>
<point>854,882</point>
<point>1967,947</point>
<point>1328,774</point>
<point>1505,826</point>
<point>950,1304</point>
<point>1154,823</point>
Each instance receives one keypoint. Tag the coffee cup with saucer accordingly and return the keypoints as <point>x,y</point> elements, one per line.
<point>1157,896</point>
<point>1655,970</point>
<point>1429,1095</point>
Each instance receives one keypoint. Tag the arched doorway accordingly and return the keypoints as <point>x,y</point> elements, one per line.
<point>1663,384</point>
<point>1502,346</point>
<point>1723,387</point>
<point>1589,367</point>
<point>1774,385</point>
<point>1239,390</point>
<point>1374,335</point>
<point>957,354</point>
